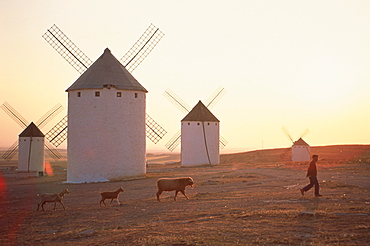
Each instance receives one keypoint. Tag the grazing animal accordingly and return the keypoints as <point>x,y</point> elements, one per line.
<point>176,184</point>
<point>48,197</point>
<point>110,195</point>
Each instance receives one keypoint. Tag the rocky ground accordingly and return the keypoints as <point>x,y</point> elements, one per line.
<point>251,198</point>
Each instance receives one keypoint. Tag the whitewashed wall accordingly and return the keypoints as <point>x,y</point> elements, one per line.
<point>301,153</point>
<point>193,144</point>
<point>31,156</point>
<point>106,135</point>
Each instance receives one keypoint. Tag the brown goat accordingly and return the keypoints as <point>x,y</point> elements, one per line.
<point>48,197</point>
<point>110,195</point>
<point>176,184</point>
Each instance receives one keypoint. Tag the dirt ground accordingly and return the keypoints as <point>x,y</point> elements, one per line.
<point>251,198</point>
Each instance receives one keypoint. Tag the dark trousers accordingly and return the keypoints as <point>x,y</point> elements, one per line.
<point>313,182</point>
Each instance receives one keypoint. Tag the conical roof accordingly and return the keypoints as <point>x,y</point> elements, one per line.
<point>31,131</point>
<point>200,113</point>
<point>106,70</point>
<point>300,142</point>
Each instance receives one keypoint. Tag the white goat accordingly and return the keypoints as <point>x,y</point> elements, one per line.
<point>48,197</point>
<point>110,195</point>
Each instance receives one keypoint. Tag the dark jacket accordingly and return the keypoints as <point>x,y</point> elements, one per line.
<point>312,170</point>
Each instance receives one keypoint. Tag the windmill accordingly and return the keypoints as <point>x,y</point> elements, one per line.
<point>20,120</point>
<point>200,131</point>
<point>185,108</point>
<point>78,60</point>
<point>31,153</point>
<point>107,122</point>
<point>300,149</point>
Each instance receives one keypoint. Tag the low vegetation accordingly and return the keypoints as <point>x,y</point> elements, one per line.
<point>247,200</point>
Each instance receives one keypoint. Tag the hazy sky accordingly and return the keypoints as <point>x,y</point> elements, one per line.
<point>299,64</point>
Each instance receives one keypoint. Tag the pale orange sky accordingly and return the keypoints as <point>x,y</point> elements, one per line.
<point>299,64</point>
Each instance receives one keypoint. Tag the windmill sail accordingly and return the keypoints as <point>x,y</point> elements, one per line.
<point>286,132</point>
<point>53,153</point>
<point>67,49</point>
<point>174,141</point>
<point>153,130</point>
<point>141,49</point>
<point>58,134</point>
<point>49,115</point>
<point>14,115</point>
<point>11,152</point>
<point>223,142</point>
<point>177,101</point>
<point>215,97</point>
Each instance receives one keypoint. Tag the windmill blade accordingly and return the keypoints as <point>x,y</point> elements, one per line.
<point>286,151</point>
<point>177,101</point>
<point>174,141</point>
<point>287,133</point>
<point>304,133</point>
<point>67,49</point>
<point>53,153</point>
<point>58,134</point>
<point>141,49</point>
<point>223,142</point>
<point>153,130</point>
<point>11,152</point>
<point>14,115</point>
<point>215,97</point>
<point>49,115</point>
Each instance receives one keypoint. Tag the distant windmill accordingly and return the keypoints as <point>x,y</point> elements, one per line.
<point>185,108</point>
<point>200,132</point>
<point>107,123</point>
<point>74,56</point>
<point>31,153</point>
<point>20,120</point>
<point>200,137</point>
<point>300,149</point>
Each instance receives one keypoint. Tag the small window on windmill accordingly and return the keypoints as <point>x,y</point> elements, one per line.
<point>188,123</point>
<point>135,95</point>
<point>198,124</point>
<point>97,93</point>
<point>208,123</point>
<point>79,94</point>
<point>119,94</point>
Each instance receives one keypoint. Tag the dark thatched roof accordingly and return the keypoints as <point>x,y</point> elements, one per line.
<point>200,113</point>
<point>31,131</point>
<point>107,71</point>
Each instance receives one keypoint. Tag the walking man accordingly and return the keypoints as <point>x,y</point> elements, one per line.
<point>312,175</point>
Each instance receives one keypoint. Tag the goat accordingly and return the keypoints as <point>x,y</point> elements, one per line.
<point>110,195</point>
<point>176,184</point>
<point>48,197</point>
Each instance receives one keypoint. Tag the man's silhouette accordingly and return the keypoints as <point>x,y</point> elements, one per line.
<point>312,175</point>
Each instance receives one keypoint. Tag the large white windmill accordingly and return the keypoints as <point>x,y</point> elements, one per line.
<point>30,145</point>
<point>107,122</point>
<point>200,132</point>
<point>300,149</point>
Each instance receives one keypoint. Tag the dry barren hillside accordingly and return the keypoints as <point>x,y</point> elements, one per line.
<point>328,154</point>
<point>251,198</point>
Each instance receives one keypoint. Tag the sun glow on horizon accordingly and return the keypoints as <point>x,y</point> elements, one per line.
<point>295,64</point>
